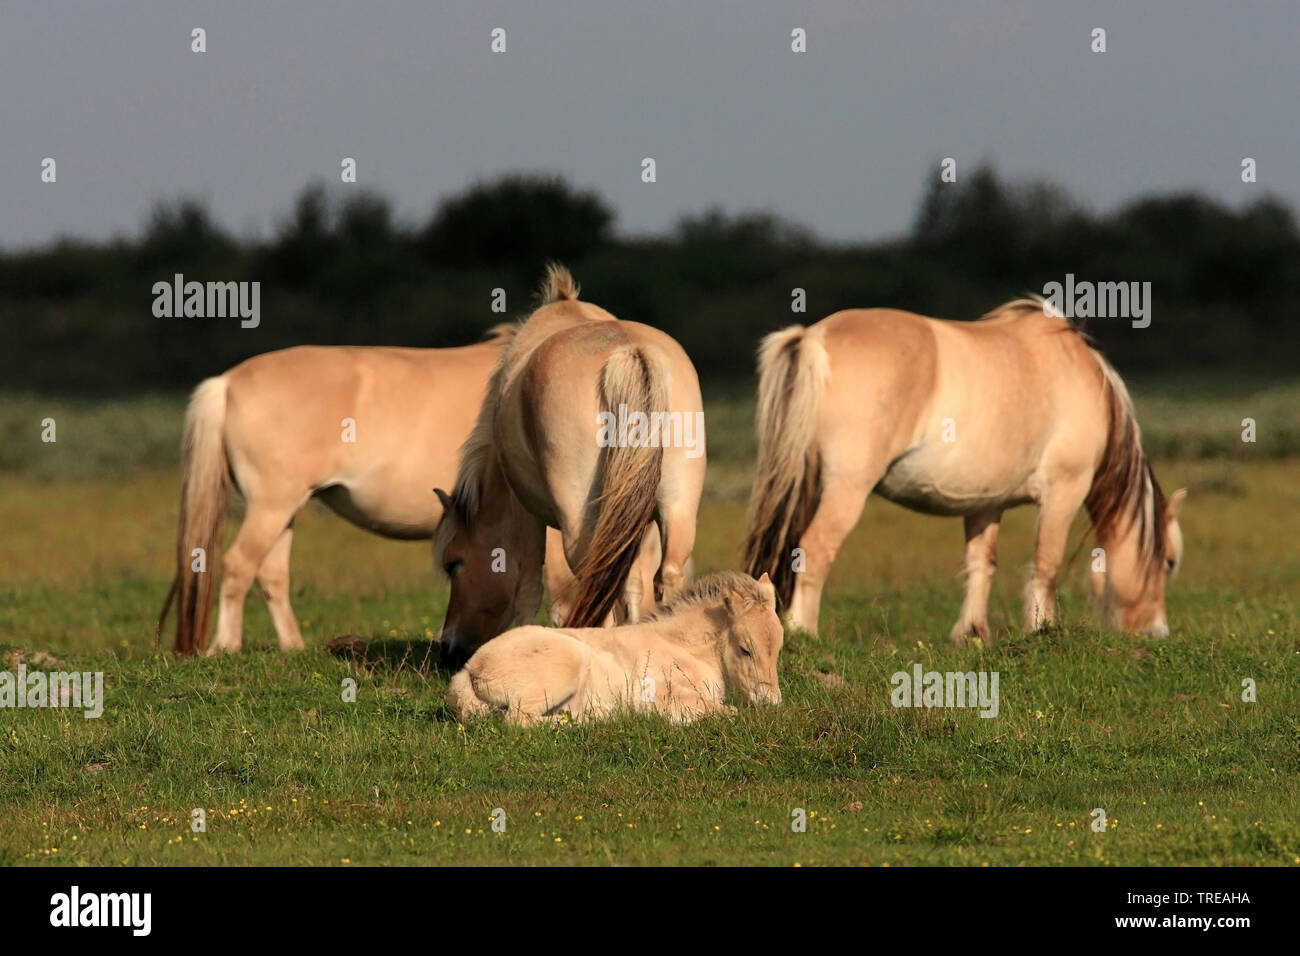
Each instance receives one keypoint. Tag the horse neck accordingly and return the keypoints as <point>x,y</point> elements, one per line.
<point>498,495</point>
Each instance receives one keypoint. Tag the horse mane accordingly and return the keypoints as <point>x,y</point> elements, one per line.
<point>557,285</point>
<point>1124,487</point>
<point>711,589</point>
<point>503,333</point>
<point>476,453</point>
<point>1019,308</point>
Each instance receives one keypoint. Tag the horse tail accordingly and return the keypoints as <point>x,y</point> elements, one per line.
<point>634,377</point>
<point>464,701</point>
<point>205,486</point>
<point>793,368</point>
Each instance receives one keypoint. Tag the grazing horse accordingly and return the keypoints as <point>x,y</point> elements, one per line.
<point>957,418</point>
<point>721,634</point>
<point>367,431</point>
<point>539,455</point>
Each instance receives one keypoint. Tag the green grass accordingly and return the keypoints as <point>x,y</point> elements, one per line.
<point>1153,732</point>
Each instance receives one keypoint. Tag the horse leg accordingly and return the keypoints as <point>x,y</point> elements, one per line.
<point>641,582</point>
<point>559,578</point>
<point>263,525</point>
<point>841,504</point>
<point>273,579</point>
<point>981,563</point>
<point>1055,512</point>
<point>677,538</point>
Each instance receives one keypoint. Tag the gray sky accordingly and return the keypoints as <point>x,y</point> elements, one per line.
<point>840,138</point>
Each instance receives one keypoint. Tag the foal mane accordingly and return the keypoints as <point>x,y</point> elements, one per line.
<point>1124,487</point>
<point>711,589</point>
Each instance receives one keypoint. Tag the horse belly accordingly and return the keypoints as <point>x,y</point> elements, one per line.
<point>388,510</point>
<point>938,481</point>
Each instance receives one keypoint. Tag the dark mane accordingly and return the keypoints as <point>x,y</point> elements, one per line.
<point>1124,488</point>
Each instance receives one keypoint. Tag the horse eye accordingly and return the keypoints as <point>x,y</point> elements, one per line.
<point>1170,563</point>
<point>451,566</point>
<point>745,651</point>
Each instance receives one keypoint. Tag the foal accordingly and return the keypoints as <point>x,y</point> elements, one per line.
<point>721,634</point>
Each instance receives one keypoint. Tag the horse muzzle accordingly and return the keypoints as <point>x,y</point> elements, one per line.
<point>451,654</point>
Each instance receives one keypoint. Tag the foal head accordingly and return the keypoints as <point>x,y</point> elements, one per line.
<point>751,639</point>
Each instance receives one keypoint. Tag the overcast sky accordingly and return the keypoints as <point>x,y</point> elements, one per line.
<point>840,138</point>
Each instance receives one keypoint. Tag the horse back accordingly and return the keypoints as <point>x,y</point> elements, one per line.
<point>375,427</point>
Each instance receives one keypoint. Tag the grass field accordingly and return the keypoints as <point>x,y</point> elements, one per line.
<point>1154,732</point>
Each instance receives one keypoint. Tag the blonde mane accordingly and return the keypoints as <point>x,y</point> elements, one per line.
<point>557,285</point>
<point>1019,308</point>
<point>711,589</point>
<point>476,453</point>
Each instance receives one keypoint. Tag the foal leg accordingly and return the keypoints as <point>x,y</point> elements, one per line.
<point>273,579</point>
<point>262,527</point>
<point>981,563</point>
<point>1055,512</point>
<point>838,511</point>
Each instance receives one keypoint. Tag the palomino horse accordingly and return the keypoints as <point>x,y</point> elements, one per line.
<point>721,634</point>
<point>368,431</point>
<point>956,418</point>
<point>540,456</point>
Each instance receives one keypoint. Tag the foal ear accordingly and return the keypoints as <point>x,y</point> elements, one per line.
<point>1175,504</point>
<point>444,498</point>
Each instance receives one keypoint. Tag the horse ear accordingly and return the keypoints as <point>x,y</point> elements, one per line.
<point>1175,504</point>
<point>444,498</point>
<point>768,589</point>
<point>729,603</point>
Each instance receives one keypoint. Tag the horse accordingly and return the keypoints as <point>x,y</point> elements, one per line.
<point>543,452</point>
<point>721,634</point>
<point>958,419</point>
<point>367,431</point>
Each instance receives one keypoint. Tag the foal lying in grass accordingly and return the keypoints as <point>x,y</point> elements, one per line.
<point>721,634</point>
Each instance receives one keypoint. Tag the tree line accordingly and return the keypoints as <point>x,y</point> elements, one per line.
<point>77,315</point>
